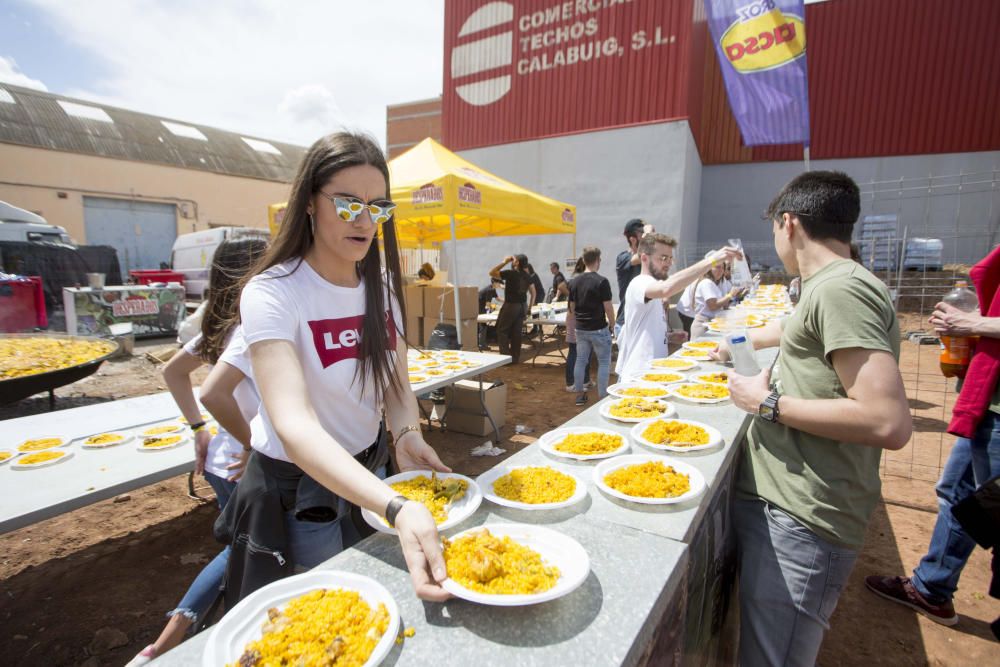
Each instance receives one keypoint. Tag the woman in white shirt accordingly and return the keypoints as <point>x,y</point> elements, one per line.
<point>324,327</point>
<point>707,298</point>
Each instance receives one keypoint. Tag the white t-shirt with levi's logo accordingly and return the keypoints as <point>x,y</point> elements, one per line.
<point>325,322</point>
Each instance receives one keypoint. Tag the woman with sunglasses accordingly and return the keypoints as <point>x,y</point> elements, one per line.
<point>323,322</point>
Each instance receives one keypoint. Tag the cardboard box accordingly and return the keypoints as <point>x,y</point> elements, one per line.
<point>437,297</point>
<point>465,412</point>
<point>414,329</point>
<point>470,332</point>
<point>413,297</point>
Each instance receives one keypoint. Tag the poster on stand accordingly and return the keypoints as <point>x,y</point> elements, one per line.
<point>152,311</point>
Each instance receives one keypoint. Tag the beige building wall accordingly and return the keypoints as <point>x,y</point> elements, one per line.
<point>33,178</point>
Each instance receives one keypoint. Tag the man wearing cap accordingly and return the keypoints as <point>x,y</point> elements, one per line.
<point>628,265</point>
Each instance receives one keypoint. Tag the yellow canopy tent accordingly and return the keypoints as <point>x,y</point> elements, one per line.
<point>439,196</point>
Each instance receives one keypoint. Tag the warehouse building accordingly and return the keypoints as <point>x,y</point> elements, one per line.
<point>131,180</point>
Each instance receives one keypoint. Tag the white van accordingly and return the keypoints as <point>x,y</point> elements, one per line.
<point>16,224</point>
<point>192,254</point>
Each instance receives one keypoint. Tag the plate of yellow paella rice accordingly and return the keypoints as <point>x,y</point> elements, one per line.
<point>42,442</point>
<point>511,565</point>
<point>7,455</point>
<point>722,377</point>
<point>676,435</point>
<point>41,459</point>
<point>693,355</point>
<point>159,443</point>
<point>649,479</point>
<point>631,410</point>
<point>638,390</point>
<point>700,392</point>
<point>657,376</point>
<point>531,487</point>
<point>583,443</point>
<point>164,429</point>
<point>673,364</point>
<point>322,617</point>
<point>703,345</point>
<point>106,439</point>
<point>450,497</point>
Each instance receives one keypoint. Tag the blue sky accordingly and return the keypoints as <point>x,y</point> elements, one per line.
<point>284,71</point>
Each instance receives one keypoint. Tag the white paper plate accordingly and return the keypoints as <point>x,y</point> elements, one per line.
<point>691,363</point>
<point>13,455</point>
<point>694,345</point>
<point>605,411</point>
<point>144,432</point>
<point>700,378</point>
<point>675,387</point>
<point>31,466</point>
<point>459,511</point>
<point>638,377</point>
<point>433,378</point>
<point>555,549</point>
<point>64,438</point>
<point>617,389</point>
<point>700,356</point>
<point>128,437</point>
<point>714,436</point>
<point>486,483</point>
<point>138,445</point>
<point>242,624</point>
<point>549,440</point>
<point>697,480</point>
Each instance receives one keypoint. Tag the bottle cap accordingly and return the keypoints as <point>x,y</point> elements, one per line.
<point>738,339</point>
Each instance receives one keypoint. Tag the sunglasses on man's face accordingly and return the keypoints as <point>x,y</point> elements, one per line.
<point>349,208</point>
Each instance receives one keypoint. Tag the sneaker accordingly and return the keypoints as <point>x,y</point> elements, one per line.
<point>589,385</point>
<point>145,656</point>
<point>581,399</point>
<point>570,389</point>
<point>902,590</point>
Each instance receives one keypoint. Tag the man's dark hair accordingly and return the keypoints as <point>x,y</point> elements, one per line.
<point>634,228</point>
<point>826,202</point>
<point>554,265</point>
<point>522,262</point>
<point>591,254</point>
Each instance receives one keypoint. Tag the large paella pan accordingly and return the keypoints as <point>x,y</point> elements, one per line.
<point>33,363</point>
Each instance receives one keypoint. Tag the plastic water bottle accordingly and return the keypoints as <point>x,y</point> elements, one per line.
<point>742,354</point>
<point>956,351</point>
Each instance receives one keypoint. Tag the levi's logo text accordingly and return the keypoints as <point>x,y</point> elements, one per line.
<point>340,338</point>
<point>763,37</point>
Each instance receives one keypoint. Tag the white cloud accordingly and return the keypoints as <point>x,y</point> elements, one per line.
<point>283,71</point>
<point>12,74</point>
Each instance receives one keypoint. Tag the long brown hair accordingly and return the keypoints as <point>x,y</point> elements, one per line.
<point>232,262</point>
<point>324,159</point>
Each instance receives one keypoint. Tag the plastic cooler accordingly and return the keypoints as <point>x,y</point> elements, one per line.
<point>147,276</point>
<point>22,305</point>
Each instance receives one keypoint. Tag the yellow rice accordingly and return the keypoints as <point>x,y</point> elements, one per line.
<point>713,378</point>
<point>693,353</point>
<point>104,439</point>
<point>39,444</point>
<point>652,479</point>
<point>671,363</point>
<point>702,390</point>
<point>40,457</point>
<point>662,377</point>
<point>5,455</point>
<point>535,485</point>
<point>159,442</point>
<point>485,563</point>
<point>643,391</point>
<point>28,356</point>
<point>421,489</point>
<point>589,443</point>
<point>676,433</point>
<point>703,345</point>
<point>318,626</point>
<point>636,408</point>
<point>160,430</point>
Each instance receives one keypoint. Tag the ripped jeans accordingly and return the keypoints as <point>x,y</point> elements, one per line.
<point>205,587</point>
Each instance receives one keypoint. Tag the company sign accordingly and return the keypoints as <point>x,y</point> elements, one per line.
<point>761,47</point>
<point>427,195</point>
<point>525,68</point>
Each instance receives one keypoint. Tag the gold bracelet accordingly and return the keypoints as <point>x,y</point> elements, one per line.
<point>406,429</point>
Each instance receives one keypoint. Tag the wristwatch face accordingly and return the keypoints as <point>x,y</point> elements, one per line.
<point>766,412</point>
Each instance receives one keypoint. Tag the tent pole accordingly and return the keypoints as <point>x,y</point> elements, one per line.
<point>454,279</point>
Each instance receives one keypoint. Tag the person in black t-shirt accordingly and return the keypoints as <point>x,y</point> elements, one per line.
<point>517,289</point>
<point>536,283</point>
<point>590,303</point>
<point>557,279</point>
<point>627,264</point>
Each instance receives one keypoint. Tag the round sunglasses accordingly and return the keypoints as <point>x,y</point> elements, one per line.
<point>349,208</point>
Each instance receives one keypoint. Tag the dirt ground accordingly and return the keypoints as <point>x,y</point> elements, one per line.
<point>90,587</point>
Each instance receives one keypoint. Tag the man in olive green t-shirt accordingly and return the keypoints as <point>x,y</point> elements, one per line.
<point>808,478</point>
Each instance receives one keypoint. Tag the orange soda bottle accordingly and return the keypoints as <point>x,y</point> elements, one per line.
<point>956,351</point>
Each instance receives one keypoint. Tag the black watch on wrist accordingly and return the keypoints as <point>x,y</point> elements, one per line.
<point>392,509</point>
<point>768,410</point>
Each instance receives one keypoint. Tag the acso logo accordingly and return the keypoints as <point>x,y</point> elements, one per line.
<point>763,38</point>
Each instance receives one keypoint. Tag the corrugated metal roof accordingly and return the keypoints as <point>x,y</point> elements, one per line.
<point>37,119</point>
<point>886,77</point>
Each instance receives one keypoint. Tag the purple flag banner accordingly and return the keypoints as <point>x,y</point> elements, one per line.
<point>761,46</point>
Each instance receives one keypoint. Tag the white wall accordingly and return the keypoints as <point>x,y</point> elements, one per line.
<point>650,171</point>
<point>953,196</point>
